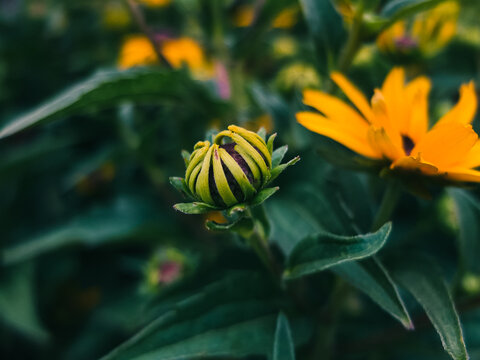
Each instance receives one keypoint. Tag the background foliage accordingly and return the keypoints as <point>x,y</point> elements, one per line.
<point>88,228</point>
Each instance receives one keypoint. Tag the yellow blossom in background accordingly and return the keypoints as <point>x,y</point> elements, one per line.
<point>155,3</point>
<point>297,76</point>
<point>115,15</point>
<point>394,126</point>
<point>187,52</point>
<point>263,121</point>
<point>244,16</point>
<point>286,19</point>
<point>427,32</point>
<point>284,46</point>
<point>137,50</point>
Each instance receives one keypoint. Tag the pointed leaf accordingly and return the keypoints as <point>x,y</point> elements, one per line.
<point>283,347</point>
<point>278,154</point>
<point>320,252</point>
<point>263,195</point>
<point>467,212</point>
<point>423,280</point>
<point>370,277</point>
<point>179,184</point>
<point>280,168</point>
<point>232,317</point>
<point>194,208</point>
<point>107,88</point>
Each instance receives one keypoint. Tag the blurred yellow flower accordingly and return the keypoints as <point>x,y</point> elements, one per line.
<point>155,3</point>
<point>428,32</point>
<point>137,50</point>
<point>183,51</point>
<point>286,19</point>
<point>284,46</point>
<point>298,76</point>
<point>394,127</point>
<point>115,15</point>
<point>263,121</point>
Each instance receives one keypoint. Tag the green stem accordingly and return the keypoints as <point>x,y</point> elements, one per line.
<point>258,241</point>
<point>353,42</point>
<point>388,204</point>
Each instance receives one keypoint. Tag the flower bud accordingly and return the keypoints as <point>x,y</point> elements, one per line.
<point>229,172</point>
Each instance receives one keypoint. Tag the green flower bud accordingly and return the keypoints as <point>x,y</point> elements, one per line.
<point>232,173</point>
<point>229,172</point>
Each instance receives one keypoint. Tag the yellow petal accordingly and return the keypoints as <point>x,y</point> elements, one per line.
<point>384,121</point>
<point>417,96</point>
<point>464,111</point>
<point>394,94</point>
<point>447,145</point>
<point>333,108</point>
<point>355,140</point>
<point>462,174</point>
<point>355,95</point>
<point>380,141</point>
<point>411,163</point>
<point>472,159</point>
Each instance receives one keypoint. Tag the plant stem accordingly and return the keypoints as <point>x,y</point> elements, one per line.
<point>388,204</point>
<point>259,243</point>
<point>139,19</point>
<point>353,42</point>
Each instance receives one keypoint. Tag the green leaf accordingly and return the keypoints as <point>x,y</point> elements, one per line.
<point>283,347</point>
<point>278,154</point>
<point>324,250</point>
<point>108,88</point>
<point>467,212</point>
<point>179,184</point>
<point>281,168</point>
<point>233,317</point>
<point>423,280</point>
<point>326,26</point>
<point>263,195</point>
<point>402,8</point>
<point>116,220</point>
<point>194,208</point>
<point>17,307</point>
<point>370,277</point>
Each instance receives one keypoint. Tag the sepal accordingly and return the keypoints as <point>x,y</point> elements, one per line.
<point>263,195</point>
<point>179,184</point>
<point>194,208</point>
<point>280,168</point>
<point>278,154</point>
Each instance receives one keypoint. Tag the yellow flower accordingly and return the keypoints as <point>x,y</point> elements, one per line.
<point>286,19</point>
<point>394,126</point>
<point>137,50</point>
<point>115,16</point>
<point>428,32</point>
<point>155,3</point>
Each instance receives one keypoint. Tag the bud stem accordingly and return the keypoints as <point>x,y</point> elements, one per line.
<point>259,242</point>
